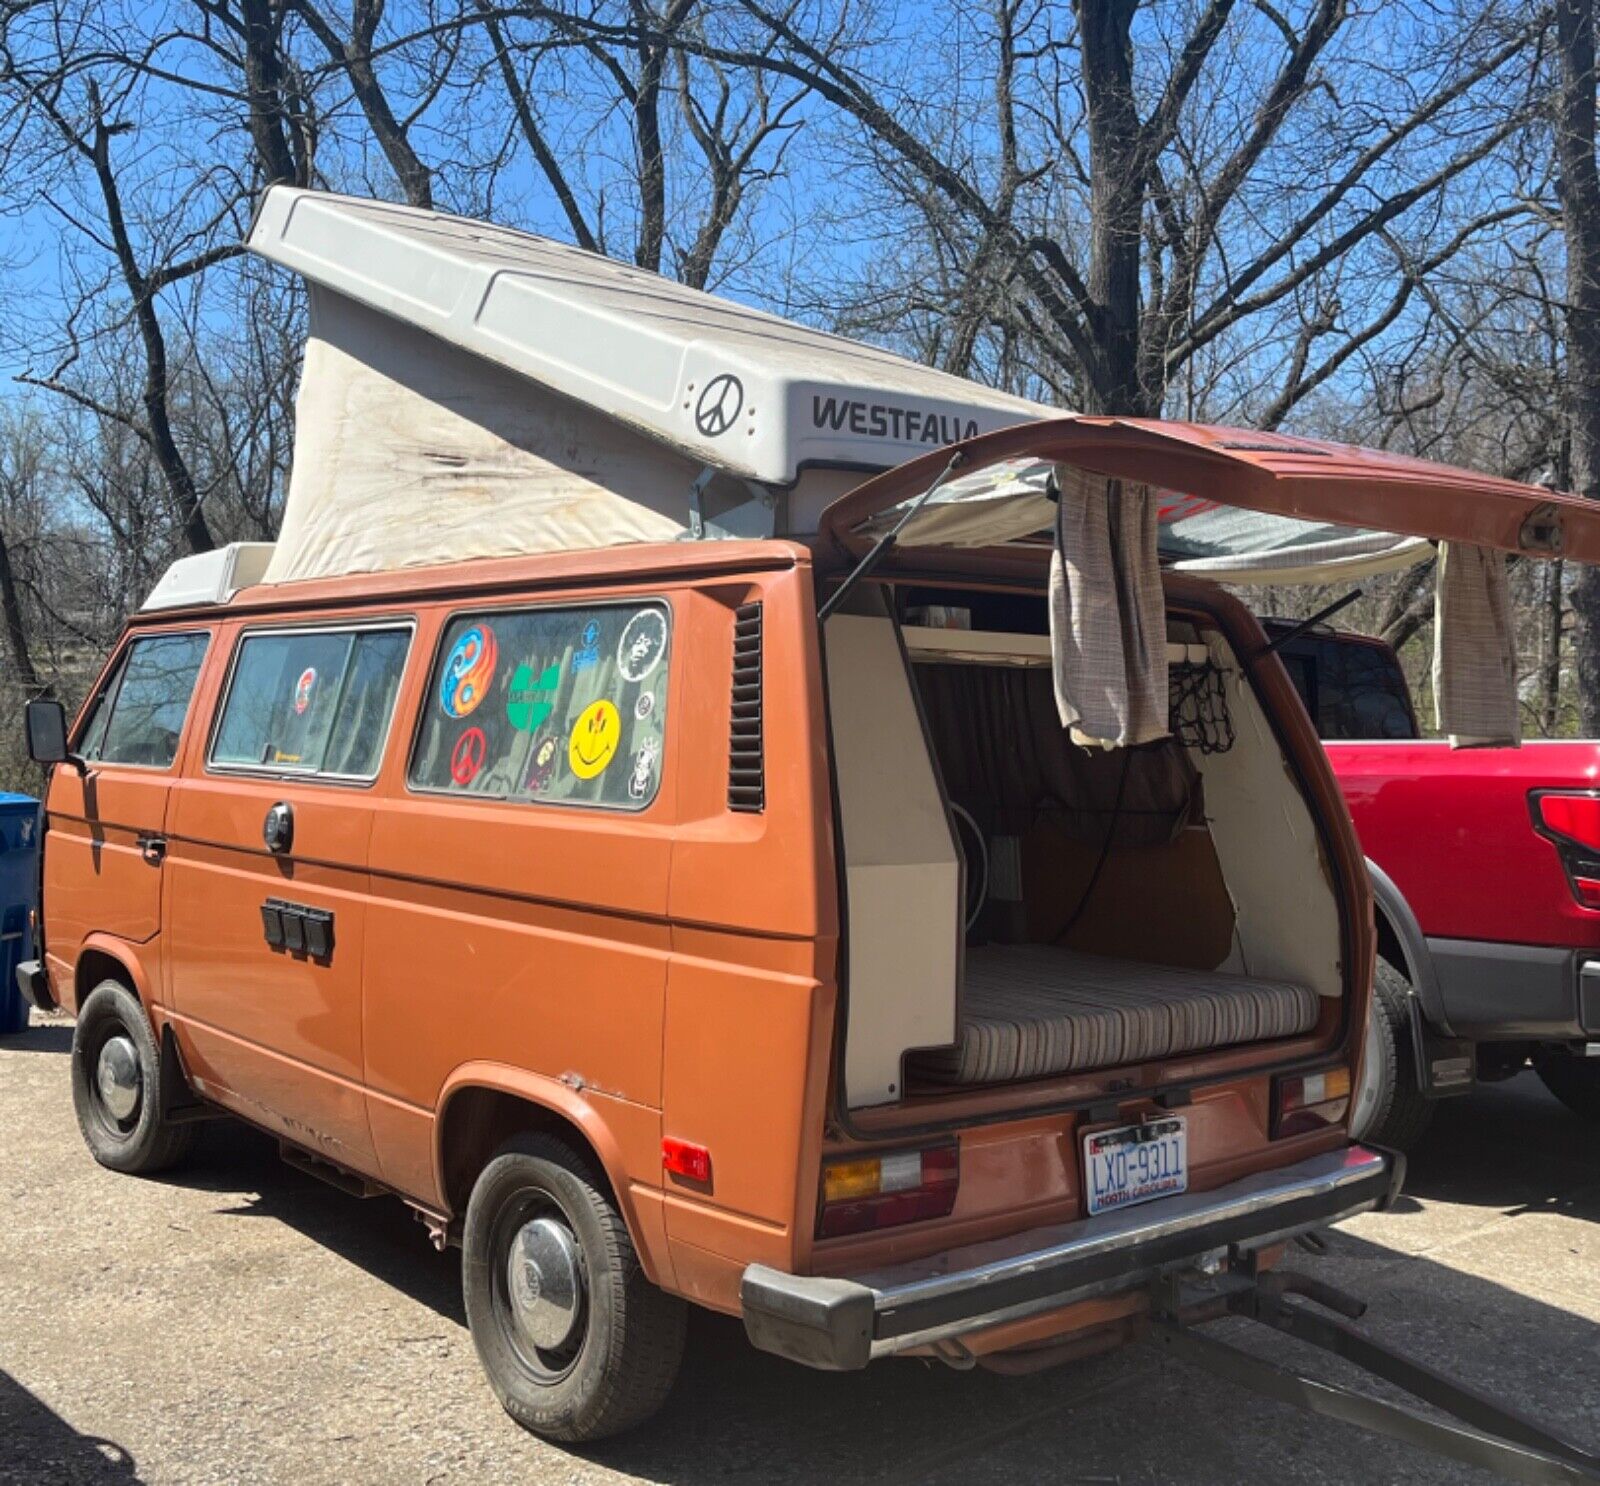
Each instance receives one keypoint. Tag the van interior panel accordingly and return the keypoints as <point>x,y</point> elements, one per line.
<point>902,869</point>
<point>1117,905</point>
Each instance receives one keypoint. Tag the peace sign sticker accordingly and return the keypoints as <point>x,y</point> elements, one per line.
<point>721,402</point>
<point>466,758</point>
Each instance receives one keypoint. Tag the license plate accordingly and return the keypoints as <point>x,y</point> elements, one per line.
<point>1136,1163</point>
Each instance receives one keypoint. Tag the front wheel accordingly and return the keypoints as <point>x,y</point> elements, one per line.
<point>116,1085</point>
<point>577,1343</point>
<point>1574,1080</point>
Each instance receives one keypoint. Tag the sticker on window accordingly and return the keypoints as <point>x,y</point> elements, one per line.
<point>302,690</point>
<point>466,758</point>
<point>468,672</point>
<point>532,698</point>
<point>643,643</point>
<point>543,768</point>
<point>594,739</point>
<point>561,705</point>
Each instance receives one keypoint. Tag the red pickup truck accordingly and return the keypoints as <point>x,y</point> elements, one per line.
<point>1485,869</point>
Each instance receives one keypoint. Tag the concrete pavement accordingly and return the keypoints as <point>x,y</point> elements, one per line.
<point>240,1322</point>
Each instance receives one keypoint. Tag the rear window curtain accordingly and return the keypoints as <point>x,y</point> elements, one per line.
<point>140,718</point>
<point>314,702</point>
<point>558,705</point>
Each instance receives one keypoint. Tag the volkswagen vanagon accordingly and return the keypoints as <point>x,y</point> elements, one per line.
<point>714,910</point>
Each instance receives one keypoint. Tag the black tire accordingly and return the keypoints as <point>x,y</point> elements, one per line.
<point>620,1361</point>
<point>1402,1112</point>
<point>1573,1080</point>
<point>139,1142</point>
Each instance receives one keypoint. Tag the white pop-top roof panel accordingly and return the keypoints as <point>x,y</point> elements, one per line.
<point>210,577</point>
<point>744,391</point>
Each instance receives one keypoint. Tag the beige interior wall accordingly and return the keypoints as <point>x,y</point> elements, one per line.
<point>903,878</point>
<point>1286,915</point>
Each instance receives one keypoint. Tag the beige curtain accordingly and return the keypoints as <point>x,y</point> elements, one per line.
<point>1474,649</point>
<point>1107,616</point>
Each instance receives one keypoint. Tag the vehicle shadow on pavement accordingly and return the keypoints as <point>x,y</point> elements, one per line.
<point>377,1234</point>
<point>37,1444</point>
<point>1512,1146</point>
<point>740,1415</point>
<point>40,1037</point>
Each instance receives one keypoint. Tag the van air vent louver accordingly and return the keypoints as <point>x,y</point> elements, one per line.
<point>746,766</point>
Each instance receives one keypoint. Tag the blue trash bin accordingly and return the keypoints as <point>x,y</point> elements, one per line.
<point>19,881</point>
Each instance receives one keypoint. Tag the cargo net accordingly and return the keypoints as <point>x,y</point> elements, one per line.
<point>1197,707</point>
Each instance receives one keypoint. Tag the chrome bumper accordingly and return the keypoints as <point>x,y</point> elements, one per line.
<point>839,1324</point>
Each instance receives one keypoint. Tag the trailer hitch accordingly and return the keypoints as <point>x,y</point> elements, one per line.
<point>1480,1431</point>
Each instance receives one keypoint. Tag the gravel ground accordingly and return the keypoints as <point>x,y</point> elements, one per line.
<point>241,1323</point>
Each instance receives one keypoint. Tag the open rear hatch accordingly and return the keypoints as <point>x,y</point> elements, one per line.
<point>1022,908</point>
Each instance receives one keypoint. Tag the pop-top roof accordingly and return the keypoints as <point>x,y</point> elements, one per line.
<point>742,391</point>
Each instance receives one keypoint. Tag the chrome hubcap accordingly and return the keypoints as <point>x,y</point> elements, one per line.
<point>117,1077</point>
<point>545,1283</point>
<point>1369,1091</point>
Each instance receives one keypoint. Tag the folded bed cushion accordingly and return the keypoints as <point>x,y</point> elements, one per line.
<point>1033,1010</point>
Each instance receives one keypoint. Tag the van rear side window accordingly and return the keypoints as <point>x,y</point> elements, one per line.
<point>311,701</point>
<point>558,706</point>
<point>139,718</point>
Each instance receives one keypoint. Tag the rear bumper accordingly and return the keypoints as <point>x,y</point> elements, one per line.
<point>34,984</point>
<point>1509,992</point>
<point>840,1324</point>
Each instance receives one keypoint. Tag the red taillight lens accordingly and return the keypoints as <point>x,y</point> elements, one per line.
<point>1574,818</point>
<point>881,1191</point>
<point>1572,821</point>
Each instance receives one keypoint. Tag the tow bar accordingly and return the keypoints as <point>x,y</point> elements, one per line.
<point>1481,1431</point>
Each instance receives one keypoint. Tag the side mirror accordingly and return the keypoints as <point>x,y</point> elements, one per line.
<point>46,723</point>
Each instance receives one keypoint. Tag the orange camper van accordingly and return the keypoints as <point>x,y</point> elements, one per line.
<point>629,816</point>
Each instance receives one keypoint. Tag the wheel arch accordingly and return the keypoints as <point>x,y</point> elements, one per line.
<point>1402,942</point>
<point>102,957</point>
<point>482,1105</point>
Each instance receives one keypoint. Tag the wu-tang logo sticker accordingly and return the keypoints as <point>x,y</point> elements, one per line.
<point>532,698</point>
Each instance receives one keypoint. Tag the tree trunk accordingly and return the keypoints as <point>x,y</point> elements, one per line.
<point>1550,652</point>
<point>1579,187</point>
<point>11,616</point>
<point>1117,170</point>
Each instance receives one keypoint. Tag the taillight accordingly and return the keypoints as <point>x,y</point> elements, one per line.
<point>1302,1102</point>
<point>881,1191</point>
<point>1571,820</point>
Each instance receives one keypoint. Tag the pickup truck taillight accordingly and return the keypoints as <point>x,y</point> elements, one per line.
<point>1571,819</point>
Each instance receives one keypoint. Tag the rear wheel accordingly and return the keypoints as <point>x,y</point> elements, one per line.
<point>577,1343</point>
<point>1575,1081</point>
<point>1390,1110</point>
<point>116,1085</point>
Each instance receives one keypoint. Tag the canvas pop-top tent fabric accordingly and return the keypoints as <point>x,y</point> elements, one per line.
<point>473,391</point>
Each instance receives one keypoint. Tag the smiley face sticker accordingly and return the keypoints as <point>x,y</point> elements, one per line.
<point>594,739</point>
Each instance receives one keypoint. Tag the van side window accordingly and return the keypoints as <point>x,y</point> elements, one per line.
<point>311,701</point>
<point>559,706</point>
<point>140,716</point>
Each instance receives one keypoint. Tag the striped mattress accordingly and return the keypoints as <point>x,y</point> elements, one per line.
<point>1030,1010</point>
